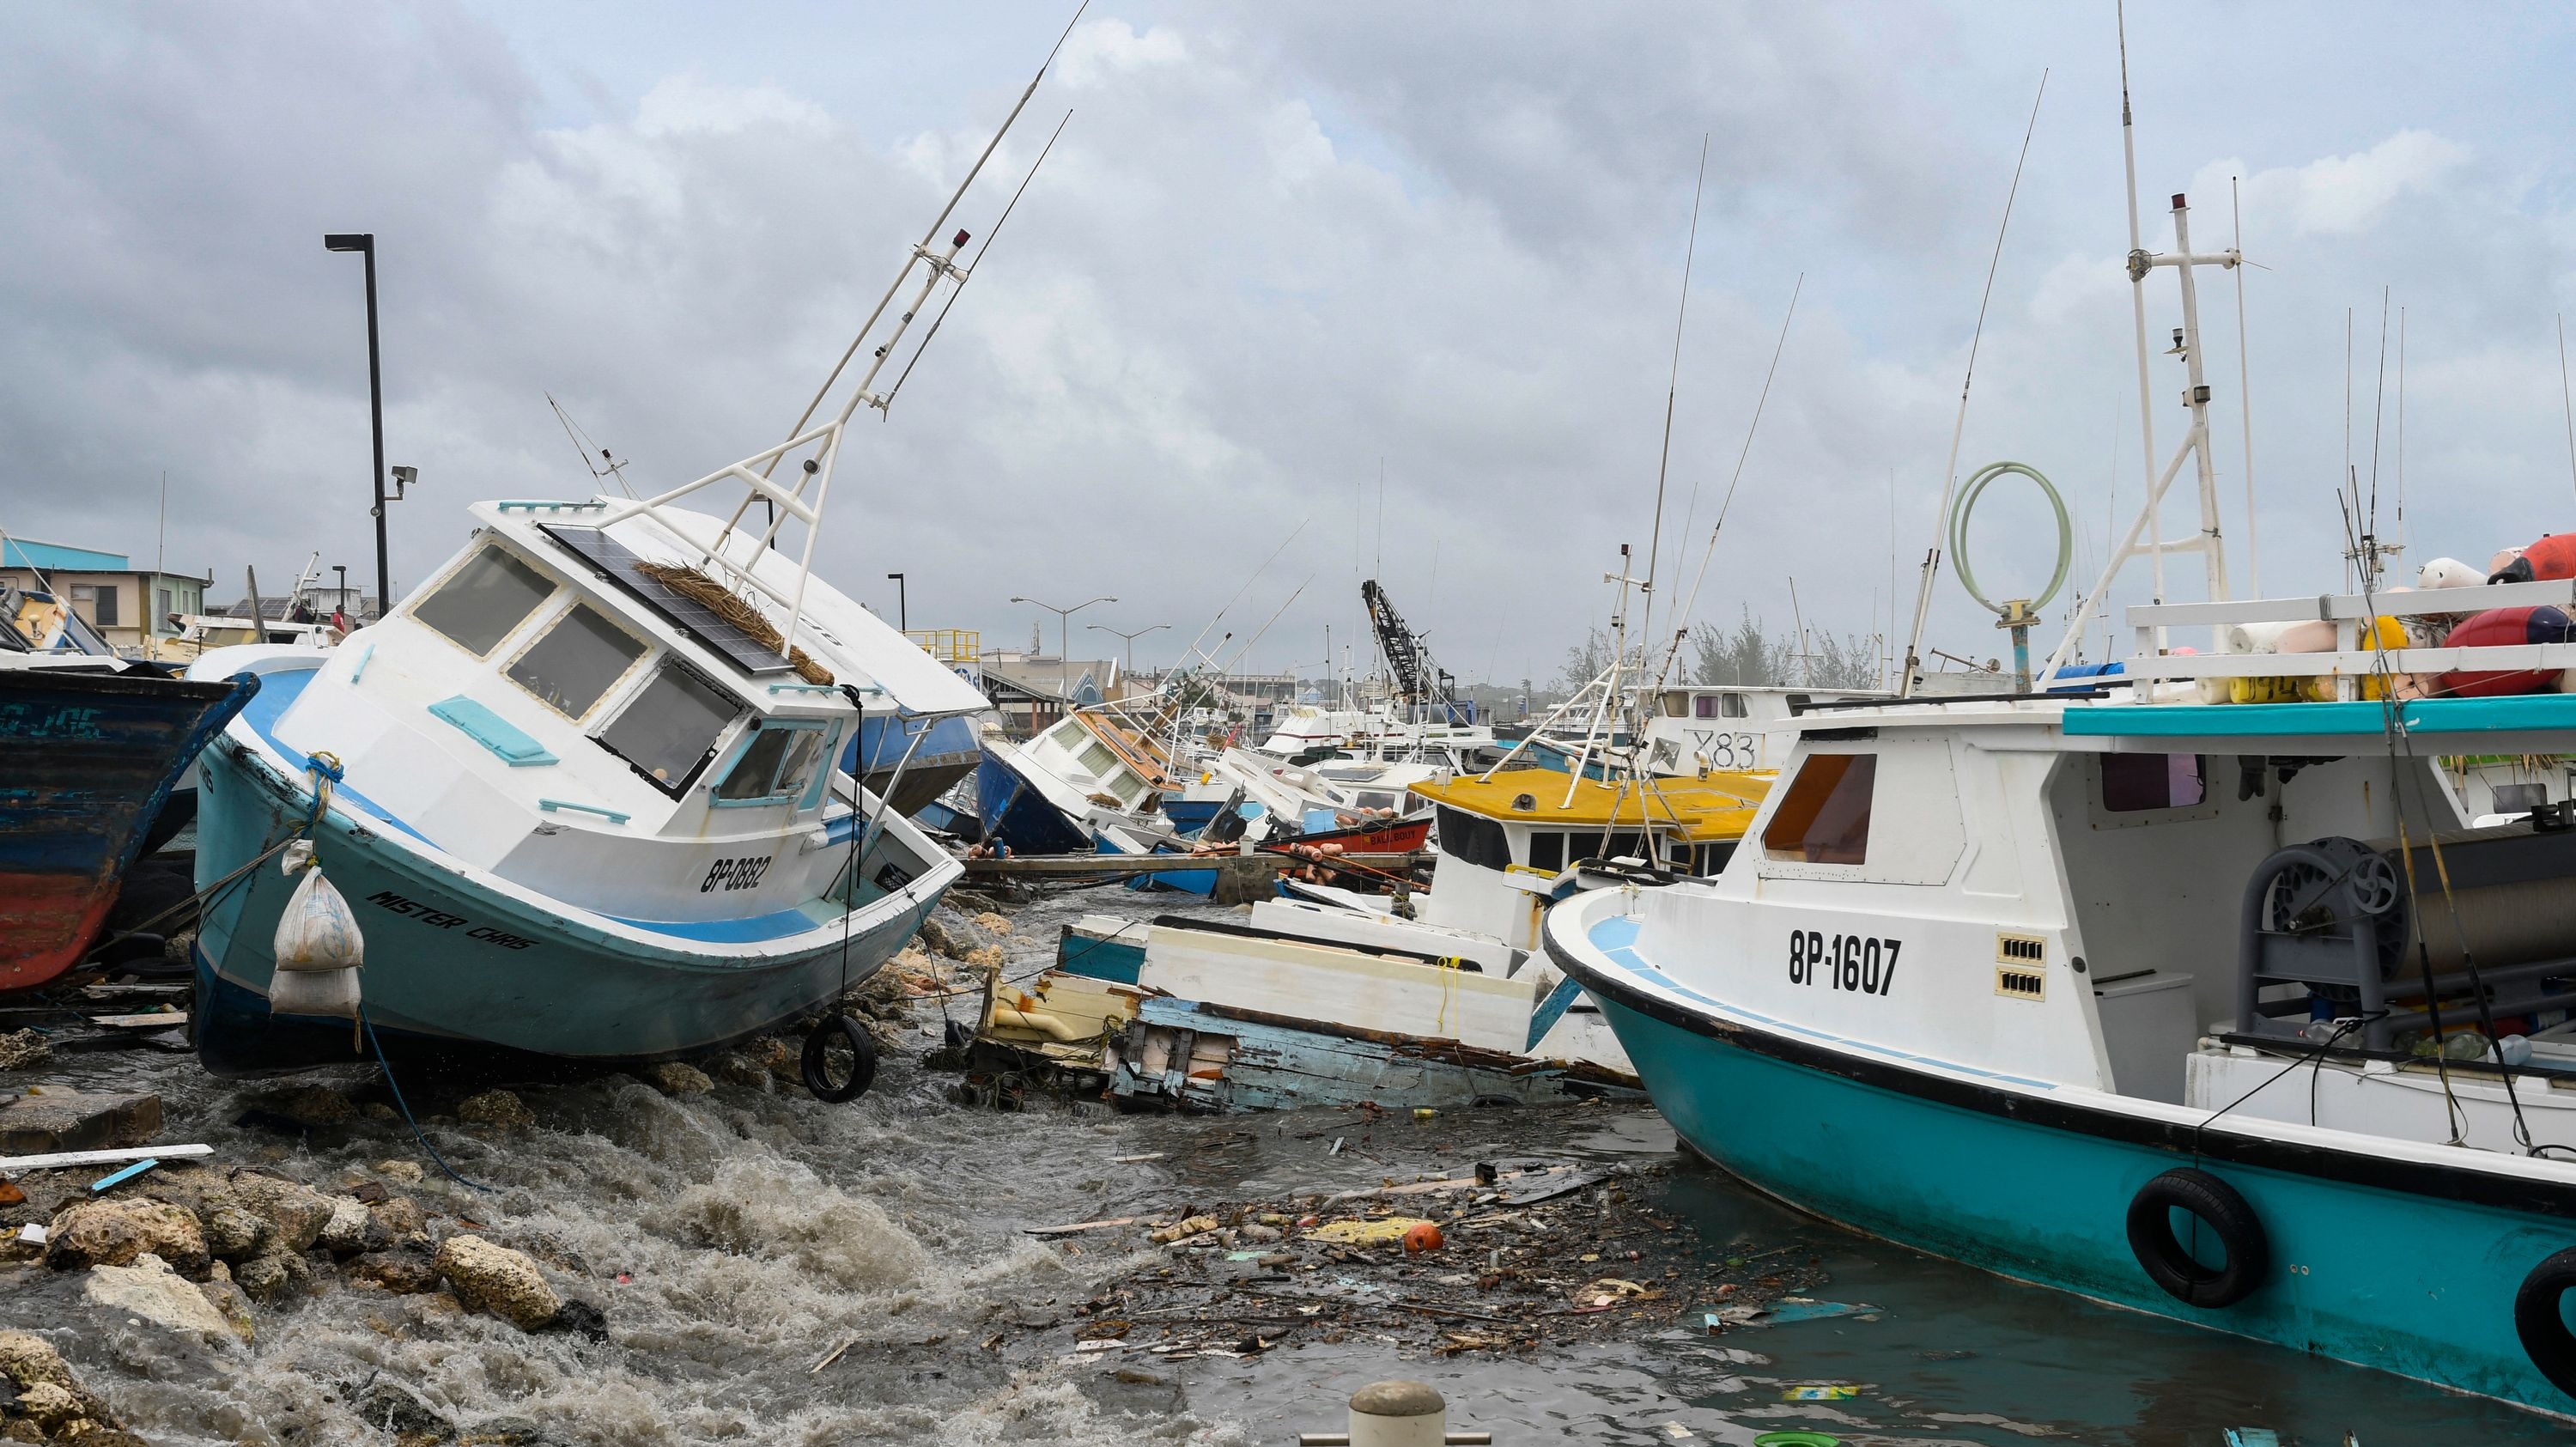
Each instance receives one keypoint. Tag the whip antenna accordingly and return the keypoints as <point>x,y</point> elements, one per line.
<point>1950,470</point>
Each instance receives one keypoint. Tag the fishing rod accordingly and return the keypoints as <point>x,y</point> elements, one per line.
<point>1691,603</point>
<point>941,264</point>
<point>1950,471</point>
<point>1672,389</point>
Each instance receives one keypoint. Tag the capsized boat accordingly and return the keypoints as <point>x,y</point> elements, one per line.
<point>1338,996</point>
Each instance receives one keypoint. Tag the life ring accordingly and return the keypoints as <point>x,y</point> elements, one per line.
<point>2218,1207</point>
<point>2540,1324</point>
<point>816,1062</point>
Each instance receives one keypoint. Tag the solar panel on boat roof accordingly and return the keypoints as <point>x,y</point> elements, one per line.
<point>612,559</point>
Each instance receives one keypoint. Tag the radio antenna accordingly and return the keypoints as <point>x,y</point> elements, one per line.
<point>1950,471</point>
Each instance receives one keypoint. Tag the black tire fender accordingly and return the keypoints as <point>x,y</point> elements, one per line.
<point>2226,1215</point>
<point>2538,1320</point>
<point>815,1066</point>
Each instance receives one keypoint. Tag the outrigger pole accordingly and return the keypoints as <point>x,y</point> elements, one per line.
<point>2196,397</point>
<point>792,501</point>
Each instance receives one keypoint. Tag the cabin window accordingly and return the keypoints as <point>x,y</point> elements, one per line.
<point>2131,782</point>
<point>1677,704</point>
<point>482,602</point>
<point>1731,705</point>
<point>1097,758</point>
<point>1377,801</point>
<point>1592,844</point>
<point>1547,850</point>
<point>668,731</point>
<point>1473,839</point>
<point>1824,818</point>
<point>573,663</point>
<point>1705,706</point>
<point>774,764</point>
<point>1711,859</point>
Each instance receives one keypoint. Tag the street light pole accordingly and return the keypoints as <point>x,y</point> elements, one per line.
<point>1063,619</point>
<point>364,243</point>
<point>902,610</point>
<point>1130,637</point>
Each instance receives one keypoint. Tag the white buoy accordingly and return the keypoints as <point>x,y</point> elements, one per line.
<point>1395,1414</point>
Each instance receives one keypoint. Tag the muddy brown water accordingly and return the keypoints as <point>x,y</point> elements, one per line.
<point>734,1239</point>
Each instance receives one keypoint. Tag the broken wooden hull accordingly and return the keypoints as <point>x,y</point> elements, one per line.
<point>92,758</point>
<point>1195,1015</point>
<point>1191,1056</point>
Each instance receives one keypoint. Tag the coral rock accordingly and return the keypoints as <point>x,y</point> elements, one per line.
<point>674,1077</point>
<point>298,1213</point>
<point>499,1280</point>
<point>345,1234</point>
<point>992,924</point>
<point>501,1109</point>
<point>151,1290</point>
<point>114,1233</point>
<point>23,1049</point>
<point>267,1277</point>
<point>234,1233</point>
<point>403,1273</point>
<point>407,1172</point>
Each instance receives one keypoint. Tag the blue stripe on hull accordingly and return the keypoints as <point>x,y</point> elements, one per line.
<point>2411,1284</point>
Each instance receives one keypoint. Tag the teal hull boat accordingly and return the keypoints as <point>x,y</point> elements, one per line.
<point>1994,1172</point>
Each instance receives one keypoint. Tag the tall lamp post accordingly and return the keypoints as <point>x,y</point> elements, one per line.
<point>1063,622</point>
<point>364,243</point>
<point>1129,637</point>
<point>902,610</point>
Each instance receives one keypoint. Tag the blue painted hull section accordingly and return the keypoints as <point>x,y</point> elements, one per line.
<point>1118,959</point>
<point>88,761</point>
<point>1013,811</point>
<point>507,975</point>
<point>2404,1282</point>
<point>1189,816</point>
<point>946,754</point>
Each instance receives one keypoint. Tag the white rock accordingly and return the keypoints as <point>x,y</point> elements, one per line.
<point>151,1290</point>
<point>346,1232</point>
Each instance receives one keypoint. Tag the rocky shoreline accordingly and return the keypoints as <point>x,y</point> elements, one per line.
<point>220,1252</point>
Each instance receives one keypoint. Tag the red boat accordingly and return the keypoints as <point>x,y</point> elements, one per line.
<point>89,752</point>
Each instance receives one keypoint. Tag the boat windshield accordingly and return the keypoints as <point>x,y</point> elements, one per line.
<point>669,729</point>
<point>572,665</point>
<point>482,602</point>
<point>775,765</point>
<point>1825,818</point>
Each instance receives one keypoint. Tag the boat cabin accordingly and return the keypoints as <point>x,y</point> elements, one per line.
<point>1508,844</point>
<point>563,706</point>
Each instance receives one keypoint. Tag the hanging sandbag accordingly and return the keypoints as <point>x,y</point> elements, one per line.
<point>318,948</point>
<point>2507,627</point>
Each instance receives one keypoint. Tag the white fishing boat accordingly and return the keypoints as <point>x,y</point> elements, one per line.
<point>2218,1009</point>
<point>581,790</point>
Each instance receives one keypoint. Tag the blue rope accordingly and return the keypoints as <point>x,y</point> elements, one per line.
<point>388,1068</point>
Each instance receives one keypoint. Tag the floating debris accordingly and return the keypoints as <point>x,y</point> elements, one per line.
<point>1462,1268</point>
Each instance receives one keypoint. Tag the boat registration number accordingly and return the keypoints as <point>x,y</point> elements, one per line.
<point>1858,963</point>
<point>743,873</point>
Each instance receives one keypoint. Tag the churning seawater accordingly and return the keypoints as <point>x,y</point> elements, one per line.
<point>735,1238</point>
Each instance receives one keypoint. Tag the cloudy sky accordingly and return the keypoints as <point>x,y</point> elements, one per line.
<point>1279,248</point>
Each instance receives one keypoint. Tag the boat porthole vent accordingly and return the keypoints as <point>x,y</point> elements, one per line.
<point>1524,803</point>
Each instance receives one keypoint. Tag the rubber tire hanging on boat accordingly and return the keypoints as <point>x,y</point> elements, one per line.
<point>2538,1320</point>
<point>816,1068</point>
<point>2218,1206</point>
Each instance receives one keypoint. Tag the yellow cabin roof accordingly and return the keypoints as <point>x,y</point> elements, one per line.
<point>1700,810</point>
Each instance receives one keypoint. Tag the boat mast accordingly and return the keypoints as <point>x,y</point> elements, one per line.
<point>2196,398</point>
